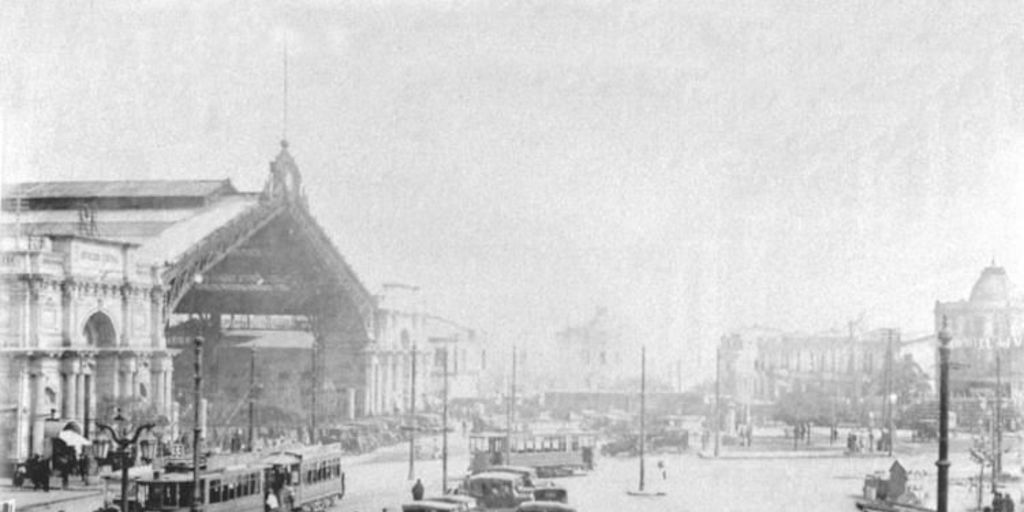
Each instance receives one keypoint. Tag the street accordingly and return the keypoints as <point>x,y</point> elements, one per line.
<point>768,484</point>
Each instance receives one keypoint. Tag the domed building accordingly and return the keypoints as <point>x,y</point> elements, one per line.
<point>987,327</point>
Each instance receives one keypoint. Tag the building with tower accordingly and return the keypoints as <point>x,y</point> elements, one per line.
<point>988,344</point>
<point>103,285</point>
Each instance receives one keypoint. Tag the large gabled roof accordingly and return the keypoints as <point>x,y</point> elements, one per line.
<point>183,227</point>
<point>119,188</point>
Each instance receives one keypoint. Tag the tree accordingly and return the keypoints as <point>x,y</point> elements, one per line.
<point>811,405</point>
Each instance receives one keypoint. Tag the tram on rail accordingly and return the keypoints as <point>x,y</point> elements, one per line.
<point>306,478</point>
<point>550,454</point>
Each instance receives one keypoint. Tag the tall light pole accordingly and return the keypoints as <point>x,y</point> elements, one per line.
<point>997,438</point>
<point>889,400</point>
<point>252,399</point>
<point>124,439</point>
<point>643,411</point>
<point>943,463</point>
<point>444,429</point>
<point>412,419</point>
<point>718,394</point>
<point>315,385</point>
<point>510,412</point>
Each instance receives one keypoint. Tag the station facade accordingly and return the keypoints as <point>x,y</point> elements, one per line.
<point>104,284</point>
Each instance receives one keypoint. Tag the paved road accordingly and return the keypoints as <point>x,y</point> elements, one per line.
<point>692,484</point>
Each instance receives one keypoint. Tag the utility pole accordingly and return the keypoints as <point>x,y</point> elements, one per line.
<point>197,430</point>
<point>997,439</point>
<point>942,494</point>
<point>643,411</point>
<point>252,398</point>
<point>444,429</point>
<point>412,419</point>
<point>510,412</point>
<point>718,395</point>
<point>888,389</point>
<point>312,409</point>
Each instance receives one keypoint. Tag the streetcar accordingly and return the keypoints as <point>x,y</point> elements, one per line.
<point>303,478</point>
<point>550,454</point>
<point>306,477</point>
<point>230,489</point>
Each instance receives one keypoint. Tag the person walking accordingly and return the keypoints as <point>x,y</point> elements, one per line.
<point>417,490</point>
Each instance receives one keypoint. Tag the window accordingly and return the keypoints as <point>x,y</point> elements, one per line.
<point>215,491</point>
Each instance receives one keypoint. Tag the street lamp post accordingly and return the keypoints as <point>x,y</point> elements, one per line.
<point>718,396</point>
<point>124,437</point>
<point>412,418</point>
<point>892,421</point>
<point>444,429</point>
<point>943,463</point>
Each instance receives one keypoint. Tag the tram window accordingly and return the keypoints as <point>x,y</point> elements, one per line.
<point>215,491</point>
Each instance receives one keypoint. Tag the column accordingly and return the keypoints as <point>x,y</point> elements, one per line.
<point>135,381</point>
<point>79,395</point>
<point>24,409</point>
<point>167,387</point>
<point>67,404</point>
<point>157,386</point>
<point>351,395</point>
<point>90,399</point>
<point>36,414</point>
<point>115,376</point>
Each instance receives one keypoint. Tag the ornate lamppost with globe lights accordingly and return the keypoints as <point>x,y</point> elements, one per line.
<point>125,436</point>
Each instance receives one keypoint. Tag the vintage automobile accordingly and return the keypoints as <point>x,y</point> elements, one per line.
<point>494,490</point>
<point>465,503</point>
<point>527,475</point>
<point>551,493</point>
<point>545,506</point>
<point>430,506</point>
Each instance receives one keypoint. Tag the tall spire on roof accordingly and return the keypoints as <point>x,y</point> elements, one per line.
<point>284,95</point>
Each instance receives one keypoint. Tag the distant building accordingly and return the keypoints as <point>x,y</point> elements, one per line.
<point>989,324</point>
<point>589,356</point>
<point>404,328</point>
<point>760,365</point>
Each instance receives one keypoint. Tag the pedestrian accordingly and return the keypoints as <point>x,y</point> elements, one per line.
<point>417,490</point>
<point>270,503</point>
<point>83,466</point>
<point>997,502</point>
<point>1007,503</point>
<point>45,473</point>
<point>661,467</point>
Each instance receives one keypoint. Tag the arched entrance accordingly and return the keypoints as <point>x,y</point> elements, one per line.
<point>81,387</point>
<point>99,331</point>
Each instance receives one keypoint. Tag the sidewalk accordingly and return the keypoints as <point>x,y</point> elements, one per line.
<point>75,498</point>
<point>792,454</point>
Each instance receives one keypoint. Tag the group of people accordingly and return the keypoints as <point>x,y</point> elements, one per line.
<point>1001,503</point>
<point>37,470</point>
<point>802,432</point>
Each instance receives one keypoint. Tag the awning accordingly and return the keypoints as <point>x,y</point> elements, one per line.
<point>72,438</point>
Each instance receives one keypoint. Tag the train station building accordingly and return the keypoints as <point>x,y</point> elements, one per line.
<point>105,285</point>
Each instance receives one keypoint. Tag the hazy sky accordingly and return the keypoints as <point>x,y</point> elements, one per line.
<point>693,166</point>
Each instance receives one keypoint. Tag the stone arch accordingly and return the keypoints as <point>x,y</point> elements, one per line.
<point>99,331</point>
